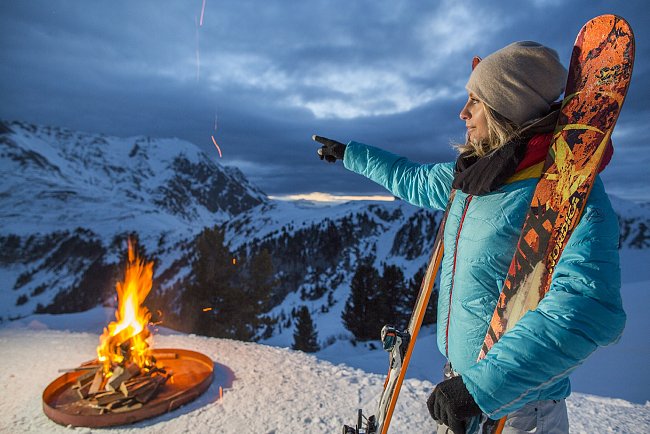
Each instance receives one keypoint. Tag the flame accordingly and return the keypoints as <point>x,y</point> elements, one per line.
<point>126,339</point>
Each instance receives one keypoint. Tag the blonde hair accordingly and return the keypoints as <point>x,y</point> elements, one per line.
<point>500,131</point>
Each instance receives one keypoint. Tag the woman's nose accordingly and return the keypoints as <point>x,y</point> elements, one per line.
<point>464,113</point>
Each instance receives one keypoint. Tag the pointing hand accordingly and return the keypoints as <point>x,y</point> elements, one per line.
<point>331,149</point>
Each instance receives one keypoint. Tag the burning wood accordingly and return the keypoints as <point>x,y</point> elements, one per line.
<point>120,375</point>
<point>86,367</point>
<point>84,382</point>
<point>128,388</point>
<point>128,376</point>
<point>128,337</point>
<point>125,375</point>
<point>98,380</point>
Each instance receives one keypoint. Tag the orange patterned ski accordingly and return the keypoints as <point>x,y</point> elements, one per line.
<point>599,76</point>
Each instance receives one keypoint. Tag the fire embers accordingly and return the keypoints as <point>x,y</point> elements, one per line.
<point>127,388</point>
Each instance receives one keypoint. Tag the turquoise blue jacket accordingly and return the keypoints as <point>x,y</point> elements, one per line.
<point>581,311</point>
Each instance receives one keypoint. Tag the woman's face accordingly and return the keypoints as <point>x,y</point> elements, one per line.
<point>475,121</point>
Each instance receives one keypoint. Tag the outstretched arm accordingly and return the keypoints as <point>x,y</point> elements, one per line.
<point>423,185</point>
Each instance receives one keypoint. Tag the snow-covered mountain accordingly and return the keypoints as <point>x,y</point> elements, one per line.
<point>70,198</point>
<point>57,177</point>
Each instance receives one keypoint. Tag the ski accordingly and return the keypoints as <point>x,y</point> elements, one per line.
<point>599,75</point>
<point>400,344</point>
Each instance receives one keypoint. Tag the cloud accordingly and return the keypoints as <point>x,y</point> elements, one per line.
<point>247,70</point>
<point>364,92</point>
<point>456,27</point>
<point>388,73</point>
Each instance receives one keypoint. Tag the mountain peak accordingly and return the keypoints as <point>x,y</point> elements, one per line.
<point>71,173</point>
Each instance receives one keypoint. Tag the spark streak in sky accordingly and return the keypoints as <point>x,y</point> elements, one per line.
<point>198,57</point>
<point>215,144</point>
<point>202,11</point>
<point>198,68</point>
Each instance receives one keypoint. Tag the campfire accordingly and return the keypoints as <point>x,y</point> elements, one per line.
<point>128,377</point>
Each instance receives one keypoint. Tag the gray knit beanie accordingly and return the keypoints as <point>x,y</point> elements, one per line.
<point>519,81</point>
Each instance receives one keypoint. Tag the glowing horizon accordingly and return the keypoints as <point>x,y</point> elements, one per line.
<point>332,198</point>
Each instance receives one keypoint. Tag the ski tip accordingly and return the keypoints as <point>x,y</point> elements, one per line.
<point>608,22</point>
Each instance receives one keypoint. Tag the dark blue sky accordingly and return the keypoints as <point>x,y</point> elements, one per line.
<point>272,73</point>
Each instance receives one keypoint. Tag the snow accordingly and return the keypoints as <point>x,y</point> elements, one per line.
<point>276,390</point>
<point>621,370</point>
<point>266,390</point>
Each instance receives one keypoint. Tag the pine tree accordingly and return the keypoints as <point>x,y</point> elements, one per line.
<point>258,287</point>
<point>305,337</point>
<point>392,302</point>
<point>211,304</point>
<point>359,315</point>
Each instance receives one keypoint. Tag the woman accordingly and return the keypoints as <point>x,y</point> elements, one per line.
<point>509,115</point>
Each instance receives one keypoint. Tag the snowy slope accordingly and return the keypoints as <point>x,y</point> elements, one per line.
<point>301,239</point>
<point>266,390</point>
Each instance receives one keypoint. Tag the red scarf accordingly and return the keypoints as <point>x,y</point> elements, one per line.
<point>537,149</point>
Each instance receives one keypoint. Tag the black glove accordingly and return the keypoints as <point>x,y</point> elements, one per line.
<point>451,404</point>
<point>331,149</point>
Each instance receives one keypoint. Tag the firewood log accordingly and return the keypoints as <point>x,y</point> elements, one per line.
<point>96,384</point>
<point>134,406</point>
<point>108,399</point>
<point>85,378</point>
<point>121,374</point>
<point>150,393</point>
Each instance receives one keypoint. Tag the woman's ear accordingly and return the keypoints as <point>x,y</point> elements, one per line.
<point>475,62</point>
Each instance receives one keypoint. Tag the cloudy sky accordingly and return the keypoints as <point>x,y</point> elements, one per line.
<point>269,74</point>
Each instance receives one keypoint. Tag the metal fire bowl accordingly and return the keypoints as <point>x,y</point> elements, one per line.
<point>192,376</point>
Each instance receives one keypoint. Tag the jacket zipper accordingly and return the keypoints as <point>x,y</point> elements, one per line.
<point>453,272</point>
